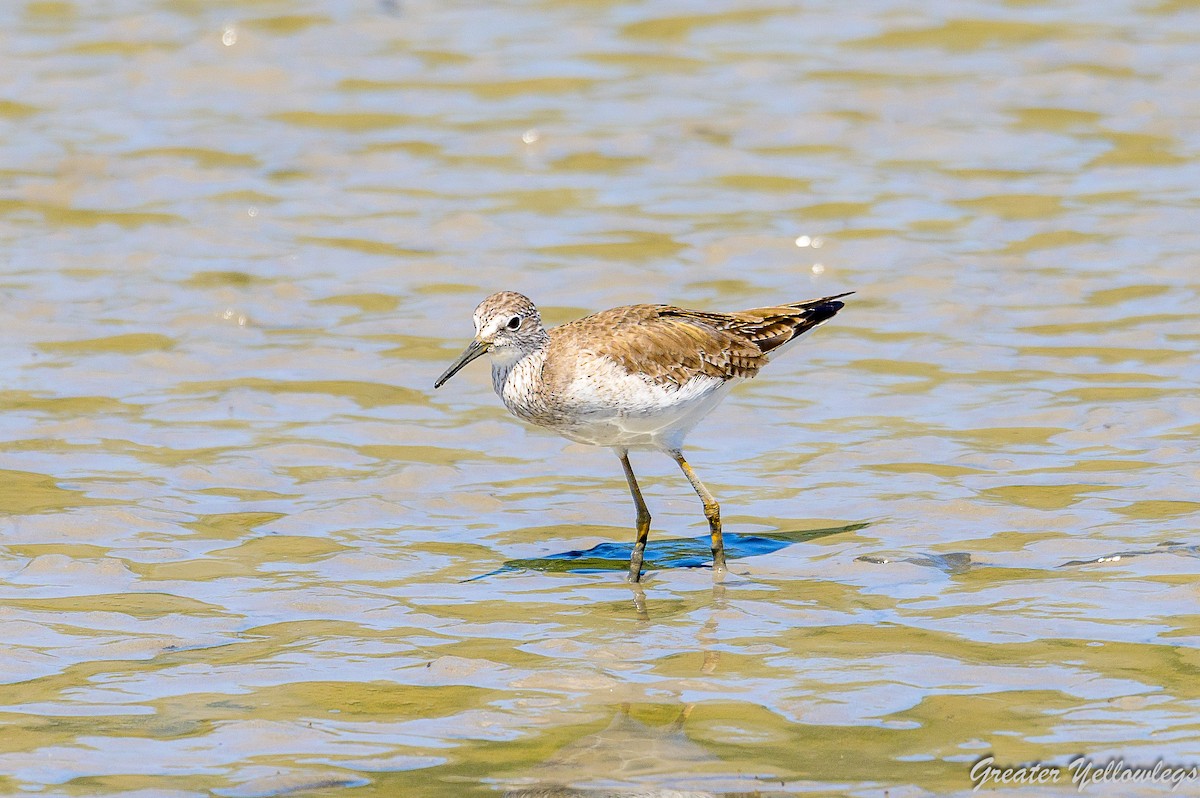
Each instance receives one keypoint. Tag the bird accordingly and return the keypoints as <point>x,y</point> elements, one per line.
<point>635,377</point>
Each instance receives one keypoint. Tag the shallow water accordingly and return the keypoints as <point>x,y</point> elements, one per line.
<point>241,534</point>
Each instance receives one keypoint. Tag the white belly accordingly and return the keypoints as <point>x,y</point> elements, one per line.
<point>663,428</point>
<point>605,405</point>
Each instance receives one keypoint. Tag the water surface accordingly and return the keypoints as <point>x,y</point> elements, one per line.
<point>241,535</point>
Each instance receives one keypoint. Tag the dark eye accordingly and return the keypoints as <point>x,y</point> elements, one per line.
<point>514,322</point>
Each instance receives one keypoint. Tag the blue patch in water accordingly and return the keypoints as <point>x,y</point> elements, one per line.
<point>663,554</point>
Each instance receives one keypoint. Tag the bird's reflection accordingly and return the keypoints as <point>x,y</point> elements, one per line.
<point>631,757</point>
<point>627,750</point>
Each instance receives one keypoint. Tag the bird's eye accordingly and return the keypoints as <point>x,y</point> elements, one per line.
<point>514,322</point>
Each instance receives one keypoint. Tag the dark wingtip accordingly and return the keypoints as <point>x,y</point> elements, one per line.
<point>825,308</point>
<point>825,301</point>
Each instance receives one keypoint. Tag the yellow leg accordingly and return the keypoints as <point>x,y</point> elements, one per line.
<point>712,511</point>
<point>643,519</point>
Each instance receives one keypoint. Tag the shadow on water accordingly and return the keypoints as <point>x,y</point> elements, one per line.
<point>1166,547</point>
<point>670,553</point>
<point>957,562</point>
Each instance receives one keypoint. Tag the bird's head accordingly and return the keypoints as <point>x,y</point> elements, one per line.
<point>507,327</point>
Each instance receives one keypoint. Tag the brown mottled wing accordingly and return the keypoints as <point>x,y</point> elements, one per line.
<point>661,342</point>
<point>671,345</point>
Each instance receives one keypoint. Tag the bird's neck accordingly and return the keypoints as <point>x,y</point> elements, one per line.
<point>508,359</point>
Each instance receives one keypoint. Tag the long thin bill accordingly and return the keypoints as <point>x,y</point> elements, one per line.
<point>476,349</point>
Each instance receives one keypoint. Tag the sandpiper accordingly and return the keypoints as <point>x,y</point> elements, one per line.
<point>633,377</point>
